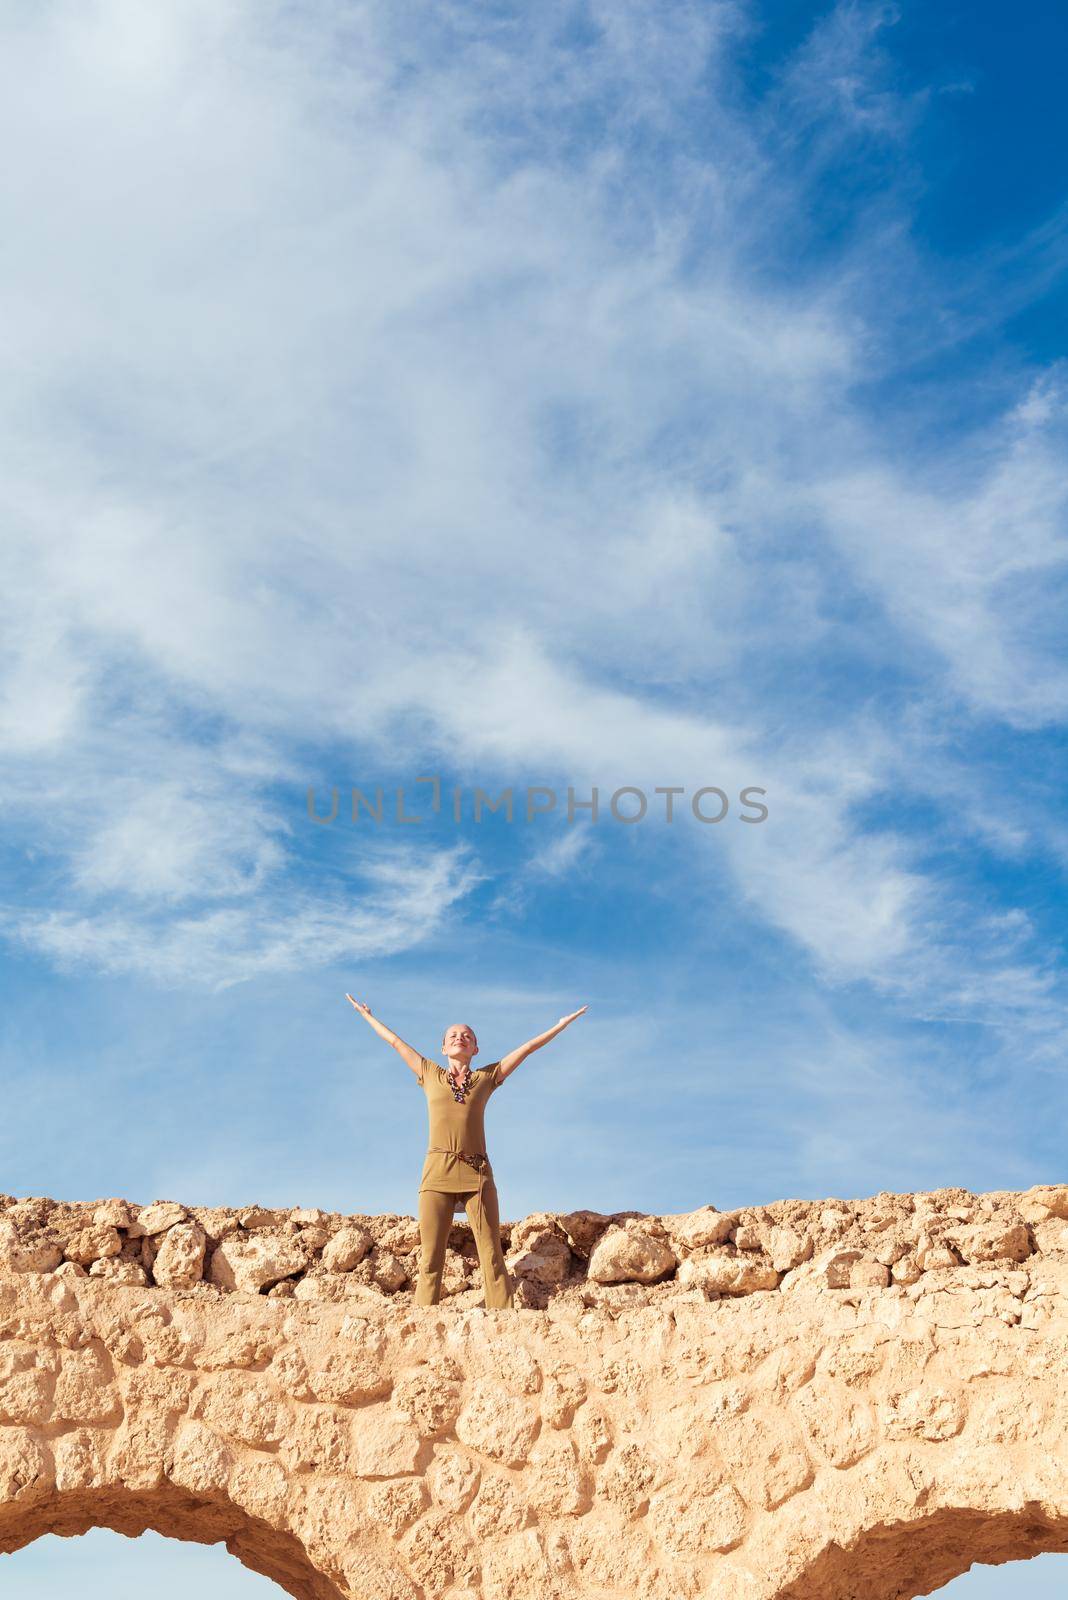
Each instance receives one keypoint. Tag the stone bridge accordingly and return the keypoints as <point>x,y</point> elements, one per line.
<point>803,1400</point>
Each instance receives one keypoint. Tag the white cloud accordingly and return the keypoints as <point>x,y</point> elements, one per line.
<point>285,929</point>
<point>568,855</point>
<point>170,845</point>
<point>365,376</point>
<point>973,563</point>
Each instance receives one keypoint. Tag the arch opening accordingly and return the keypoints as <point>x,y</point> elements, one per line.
<point>904,1560</point>
<point>175,1513</point>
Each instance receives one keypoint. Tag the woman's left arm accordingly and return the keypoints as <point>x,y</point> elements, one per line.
<point>514,1057</point>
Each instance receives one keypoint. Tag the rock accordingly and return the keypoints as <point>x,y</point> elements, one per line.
<point>533,1227</point>
<point>93,1244</point>
<point>401,1237</point>
<point>255,1217</point>
<point>347,1247</point>
<point>627,1255</point>
<point>313,1237</point>
<point>868,1274</point>
<point>69,1269</point>
<point>581,1229</point>
<point>498,1424</point>
<point>787,1248</point>
<point>698,1230</point>
<point>906,1270</point>
<point>114,1270</point>
<point>35,1252</point>
<point>545,1257</point>
<point>1043,1202</point>
<point>424,1400</point>
<point>156,1218</point>
<point>255,1263</point>
<point>383,1445</point>
<point>179,1259</point>
<point>839,1267</point>
<point>217,1221</point>
<point>727,1275</point>
<point>1051,1236</point>
<point>395,1505</point>
<point>564,1391</point>
<point>937,1255</point>
<point>389,1271</point>
<point>452,1480</point>
<point>1005,1241</point>
<point>835,1220</point>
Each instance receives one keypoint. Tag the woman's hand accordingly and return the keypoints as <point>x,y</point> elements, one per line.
<point>412,1057</point>
<point>514,1057</point>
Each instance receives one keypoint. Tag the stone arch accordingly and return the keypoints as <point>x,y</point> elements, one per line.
<point>754,1429</point>
<point>39,1508</point>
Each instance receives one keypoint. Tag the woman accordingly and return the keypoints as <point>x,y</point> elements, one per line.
<point>457,1167</point>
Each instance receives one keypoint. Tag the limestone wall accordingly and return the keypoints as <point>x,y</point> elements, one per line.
<point>886,1241</point>
<point>853,1400</point>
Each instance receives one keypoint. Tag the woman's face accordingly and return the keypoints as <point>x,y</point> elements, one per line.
<point>460,1041</point>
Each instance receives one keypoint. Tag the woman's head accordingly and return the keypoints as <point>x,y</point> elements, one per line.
<point>459,1041</point>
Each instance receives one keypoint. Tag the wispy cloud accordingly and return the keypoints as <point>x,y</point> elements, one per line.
<point>566,857</point>
<point>284,928</point>
<point>379,388</point>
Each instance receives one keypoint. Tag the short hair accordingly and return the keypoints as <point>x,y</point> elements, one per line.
<point>460,1025</point>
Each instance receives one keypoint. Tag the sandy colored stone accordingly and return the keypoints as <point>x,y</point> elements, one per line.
<point>397,1503</point>
<point>252,1217</point>
<point>1009,1241</point>
<point>868,1274</point>
<point>385,1445</point>
<point>256,1262</point>
<point>157,1217</point>
<point>1051,1236</point>
<point>818,1399</point>
<point>733,1275</point>
<point>582,1229</point>
<point>430,1404</point>
<point>630,1255</point>
<point>697,1230</point>
<point>542,1254</point>
<point>349,1374</point>
<point>388,1270</point>
<point>113,1269</point>
<point>22,1250</point>
<point>564,1390</point>
<point>559,1483</point>
<point>178,1262</point>
<point>452,1479</point>
<point>347,1247</point>
<point>498,1507</point>
<point>787,1248</point>
<point>497,1424</point>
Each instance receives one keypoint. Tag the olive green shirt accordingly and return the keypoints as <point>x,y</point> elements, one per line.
<point>455,1125</point>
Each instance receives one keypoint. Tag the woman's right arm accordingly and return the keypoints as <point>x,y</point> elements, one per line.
<point>412,1057</point>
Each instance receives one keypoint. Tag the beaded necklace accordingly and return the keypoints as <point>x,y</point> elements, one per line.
<point>460,1093</point>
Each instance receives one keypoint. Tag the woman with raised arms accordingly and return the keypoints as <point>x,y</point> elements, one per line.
<point>457,1168</point>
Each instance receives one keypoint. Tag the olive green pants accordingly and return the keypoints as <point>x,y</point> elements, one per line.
<point>435,1220</point>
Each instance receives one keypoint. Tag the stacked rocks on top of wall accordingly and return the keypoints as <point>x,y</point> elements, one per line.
<point>883,1241</point>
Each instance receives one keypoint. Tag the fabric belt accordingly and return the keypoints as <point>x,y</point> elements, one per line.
<point>474,1158</point>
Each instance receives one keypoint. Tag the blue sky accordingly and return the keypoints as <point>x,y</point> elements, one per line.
<point>580,395</point>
